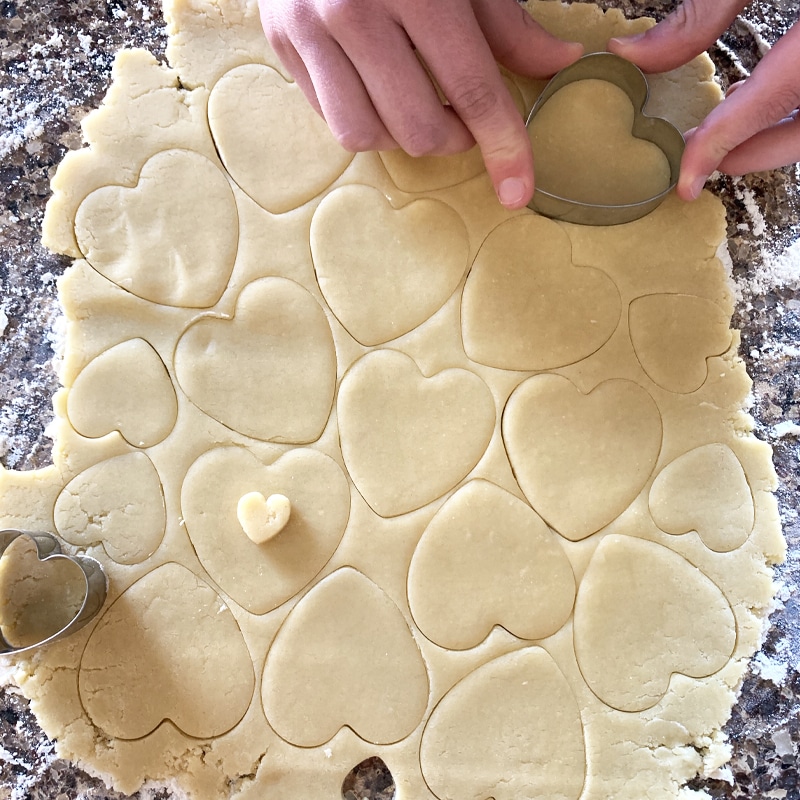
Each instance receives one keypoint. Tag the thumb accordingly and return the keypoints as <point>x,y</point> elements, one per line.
<point>688,31</point>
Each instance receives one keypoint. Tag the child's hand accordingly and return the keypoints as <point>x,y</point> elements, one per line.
<point>755,127</point>
<point>356,62</point>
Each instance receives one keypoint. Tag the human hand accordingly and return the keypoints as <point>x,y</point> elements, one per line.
<point>756,126</point>
<point>356,63</point>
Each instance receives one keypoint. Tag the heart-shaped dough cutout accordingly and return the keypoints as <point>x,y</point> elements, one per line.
<point>581,459</point>
<point>344,656</point>
<point>403,263</point>
<point>527,307</point>
<point>270,371</point>
<point>673,336</point>
<point>172,238</point>
<point>585,149</point>
<point>643,613</point>
<point>487,559</point>
<point>705,490</point>
<point>279,172</point>
<point>408,439</point>
<point>262,576</point>
<point>167,649</point>
<point>118,503</point>
<point>126,389</point>
<point>39,596</point>
<point>501,717</point>
<point>263,518</point>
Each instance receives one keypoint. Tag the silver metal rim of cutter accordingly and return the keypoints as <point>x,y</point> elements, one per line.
<point>96,584</point>
<point>613,69</point>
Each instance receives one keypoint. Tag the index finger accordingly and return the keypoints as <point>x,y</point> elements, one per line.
<point>464,67</point>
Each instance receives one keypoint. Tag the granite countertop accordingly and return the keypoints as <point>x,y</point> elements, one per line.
<point>56,60</point>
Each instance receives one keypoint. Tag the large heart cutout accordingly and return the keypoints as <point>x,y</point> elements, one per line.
<point>643,613</point>
<point>270,371</point>
<point>527,307</point>
<point>581,459</point>
<point>674,335</point>
<point>262,576</point>
<point>273,144</point>
<point>408,439</point>
<point>501,717</point>
<point>487,559</point>
<point>705,490</point>
<point>127,389</point>
<point>118,503</point>
<point>344,656</point>
<point>172,238</point>
<point>383,270</point>
<point>167,649</point>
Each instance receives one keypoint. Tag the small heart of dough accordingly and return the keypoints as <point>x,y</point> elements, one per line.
<point>405,262</point>
<point>527,307</point>
<point>270,371</point>
<point>581,459</point>
<point>263,518</point>
<point>279,172</point>
<point>408,439</point>
<point>674,334</point>
<point>172,238</point>
<point>126,389</point>
<point>585,150</point>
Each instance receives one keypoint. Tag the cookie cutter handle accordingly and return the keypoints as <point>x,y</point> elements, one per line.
<point>48,548</point>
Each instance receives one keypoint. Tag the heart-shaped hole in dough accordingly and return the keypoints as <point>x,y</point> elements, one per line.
<point>369,779</point>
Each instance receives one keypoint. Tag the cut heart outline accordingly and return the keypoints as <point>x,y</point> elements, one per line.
<point>48,548</point>
<point>662,133</point>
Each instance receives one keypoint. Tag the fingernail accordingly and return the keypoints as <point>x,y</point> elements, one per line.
<point>511,192</point>
<point>626,40</point>
<point>696,186</point>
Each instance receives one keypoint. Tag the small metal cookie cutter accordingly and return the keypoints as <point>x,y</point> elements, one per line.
<point>48,548</point>
<point>629,78</point>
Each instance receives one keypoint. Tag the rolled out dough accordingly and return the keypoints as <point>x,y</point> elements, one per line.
<point>493,444</point>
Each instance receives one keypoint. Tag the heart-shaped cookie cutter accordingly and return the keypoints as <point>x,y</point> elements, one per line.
<point>613,69</point>
<point>96,583</point>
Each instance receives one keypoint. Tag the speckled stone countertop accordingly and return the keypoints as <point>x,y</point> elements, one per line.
<point>56,60</point>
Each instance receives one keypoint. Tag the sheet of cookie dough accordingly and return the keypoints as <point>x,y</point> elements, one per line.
<point>482,493</point>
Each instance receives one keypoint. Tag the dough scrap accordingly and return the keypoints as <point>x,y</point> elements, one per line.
<point>413,450</point>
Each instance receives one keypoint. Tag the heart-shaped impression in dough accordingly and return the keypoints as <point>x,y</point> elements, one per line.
<point>118,503</point>
<point>250,110</point>
<point>170,239</point>
<point>127,389</point>
<point>517,718</point>
<point>270,371</point>
<point>600,160</point>
<point>644,612</point>
<point>262,575</point>
<point>167,649</point>
<point>344,656</point>
<point>407,439</point>
<point>486,559</point>
<point>674,335</point>
<point>581,459</point>
<point>527,307</point>
<point>382,270</point>
<point>705,490</point>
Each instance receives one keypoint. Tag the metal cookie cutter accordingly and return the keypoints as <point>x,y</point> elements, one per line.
<point>96,583</point>
<point>629,78</point>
